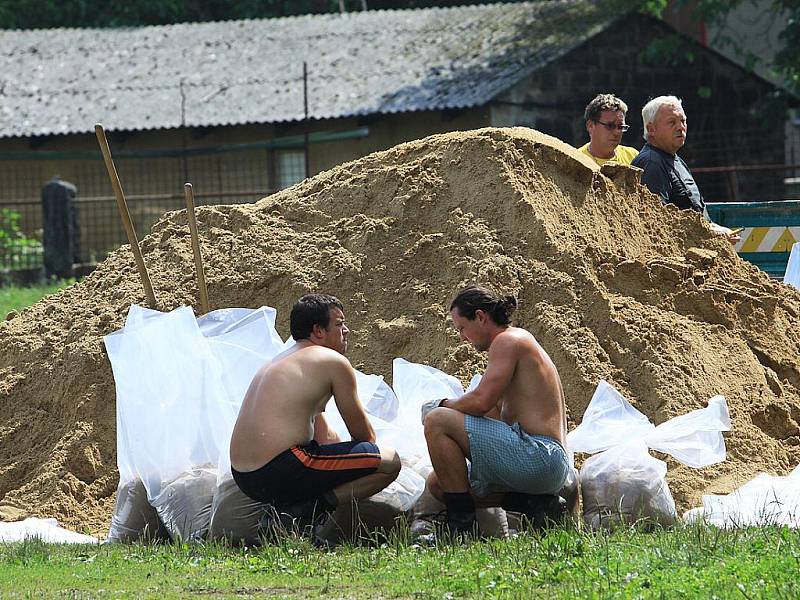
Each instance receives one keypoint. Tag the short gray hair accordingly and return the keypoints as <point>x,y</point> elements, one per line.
<point>650,110</point>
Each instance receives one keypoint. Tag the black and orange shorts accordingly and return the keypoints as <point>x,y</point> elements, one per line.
<point>305,472</point>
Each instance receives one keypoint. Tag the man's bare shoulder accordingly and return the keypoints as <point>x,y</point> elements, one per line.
<point>320,355</point>
<point>514,336</point>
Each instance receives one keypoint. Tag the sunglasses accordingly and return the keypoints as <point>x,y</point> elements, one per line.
<point>612,126</point>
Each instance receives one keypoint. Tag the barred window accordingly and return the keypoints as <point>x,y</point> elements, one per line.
<point>291,167</point>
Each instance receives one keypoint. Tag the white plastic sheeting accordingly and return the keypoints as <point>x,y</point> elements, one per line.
<point>179,383</point>
<point>624,483</point>
<point>764,500</point>
<point>46,530</point>
<point>792,275</point>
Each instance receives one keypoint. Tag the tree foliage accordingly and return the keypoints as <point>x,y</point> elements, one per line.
<point>40,14</point>
<point>786,62</point>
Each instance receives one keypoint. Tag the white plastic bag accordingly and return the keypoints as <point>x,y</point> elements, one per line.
<point>764,500</point>
<point>624,483</point>
<point>176,385</point>
<point>242,340</point>
<point>792,275</point>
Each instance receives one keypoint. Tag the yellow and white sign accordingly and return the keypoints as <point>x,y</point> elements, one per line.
<point>767,239</point>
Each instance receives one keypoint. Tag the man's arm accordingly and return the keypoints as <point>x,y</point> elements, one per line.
<point>323,434</point>
<point>345,394</point>
<point>484,399</point>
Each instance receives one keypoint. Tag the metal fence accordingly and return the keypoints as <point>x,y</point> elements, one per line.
<point>153,185</point>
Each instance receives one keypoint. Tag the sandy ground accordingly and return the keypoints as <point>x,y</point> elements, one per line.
<point>613,284</point>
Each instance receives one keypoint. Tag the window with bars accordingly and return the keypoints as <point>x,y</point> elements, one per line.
<point>290,167</point>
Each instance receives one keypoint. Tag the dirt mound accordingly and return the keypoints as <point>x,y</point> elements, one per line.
<point>614,285</point>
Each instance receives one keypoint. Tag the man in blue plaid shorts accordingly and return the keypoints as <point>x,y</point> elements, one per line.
<point>512,427</point>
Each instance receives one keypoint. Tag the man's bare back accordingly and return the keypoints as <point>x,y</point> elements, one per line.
<point>282,451</point>
<point>511,427</point>
<point>283,401</point>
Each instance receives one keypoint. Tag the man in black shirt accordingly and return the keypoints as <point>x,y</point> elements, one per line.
<point>666,173</point>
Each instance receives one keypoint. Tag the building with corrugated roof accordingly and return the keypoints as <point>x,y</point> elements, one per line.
<point>225,104</point>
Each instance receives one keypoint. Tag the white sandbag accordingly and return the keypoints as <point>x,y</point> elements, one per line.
<point>408,486</point>
<point>235,517</point>
<point>168,387</point>
<point>178,381</point>
<point>624,483</point>
<point>184,504</point>
<point>46,530</point>
<point>134,519</point>
<point>242,340</point>
<point>764,500</point>
<point>792,275</point>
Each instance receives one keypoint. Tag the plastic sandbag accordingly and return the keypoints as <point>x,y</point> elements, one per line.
<point>184,504</point>
<point>414,384</point>
<point>408,486</point>
<point>235,516</point>
<point>624,483</point>
<point>243,341</point>
<point>792,275</point>
<point>175,384</point>
<point>764,500</point>
<point>134,519</point>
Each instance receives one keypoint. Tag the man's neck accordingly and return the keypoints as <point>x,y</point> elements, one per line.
<point>599,154</point>
<point>497,330</point>
<point>672,154</point>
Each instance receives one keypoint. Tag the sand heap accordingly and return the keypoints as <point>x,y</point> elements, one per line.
<point>614,285</point>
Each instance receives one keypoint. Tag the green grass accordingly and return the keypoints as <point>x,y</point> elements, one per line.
<point>690,562</point>
<point>17,298</point>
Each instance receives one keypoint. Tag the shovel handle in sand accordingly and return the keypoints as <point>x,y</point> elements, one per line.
<point>188,194</point>
<point>122,206</point>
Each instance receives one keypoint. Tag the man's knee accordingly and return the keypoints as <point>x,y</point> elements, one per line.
<point>390,462</point>
<point>439,419</point>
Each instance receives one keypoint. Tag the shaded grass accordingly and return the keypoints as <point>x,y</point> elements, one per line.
<point>17,298</point>
<point>694,561</point>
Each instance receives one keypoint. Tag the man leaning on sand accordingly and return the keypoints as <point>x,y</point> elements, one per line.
<point>282,450</point>
<point>605,121</point>
<point>512,427</point>
<point>665,173</point>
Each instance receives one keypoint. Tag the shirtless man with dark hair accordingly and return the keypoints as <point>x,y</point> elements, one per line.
<point>282,450</point>
<point>512,427</point>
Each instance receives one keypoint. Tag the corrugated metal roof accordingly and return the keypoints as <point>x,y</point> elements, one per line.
<point>60,81</point>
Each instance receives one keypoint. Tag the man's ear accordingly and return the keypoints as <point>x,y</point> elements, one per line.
<point>588,128</point>
<point>649,128</point>
<point>480,315</point>
<point>317,330</point>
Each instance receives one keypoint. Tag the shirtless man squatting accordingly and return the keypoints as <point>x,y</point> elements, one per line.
<point>512,427</point>
<point>282,450</point>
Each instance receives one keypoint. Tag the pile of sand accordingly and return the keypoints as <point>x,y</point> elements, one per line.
<point>614,285</point>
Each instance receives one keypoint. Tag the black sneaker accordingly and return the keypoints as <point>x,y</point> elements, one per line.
<point>301,518</point>
<point>545,510</point>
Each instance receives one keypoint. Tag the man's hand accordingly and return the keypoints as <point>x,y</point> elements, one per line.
<point>732,234</point>
<point>429,406</point>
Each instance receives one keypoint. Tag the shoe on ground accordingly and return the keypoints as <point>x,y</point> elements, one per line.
<point>545,510</point>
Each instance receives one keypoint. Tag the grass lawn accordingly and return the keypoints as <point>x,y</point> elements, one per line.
<point>694,561</point>
<point>17,298</point>
<point>688,562</point>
